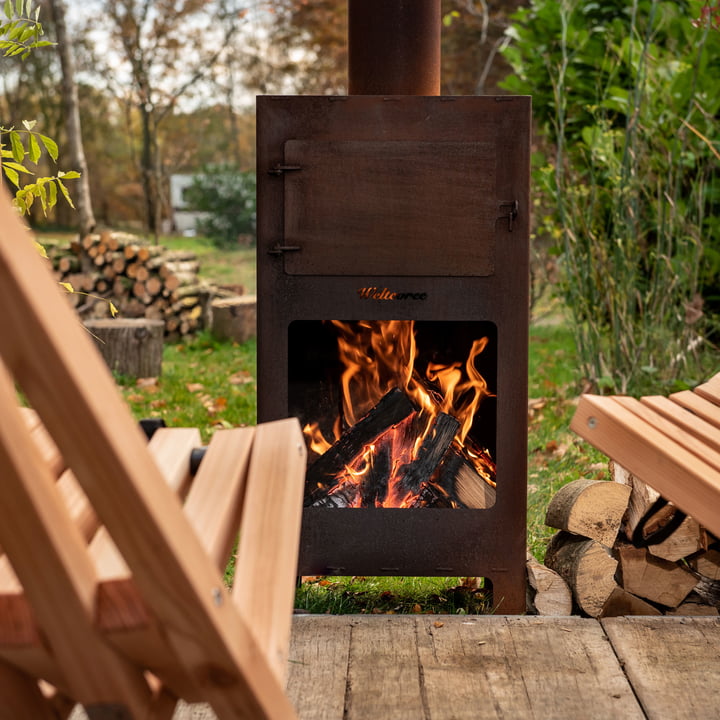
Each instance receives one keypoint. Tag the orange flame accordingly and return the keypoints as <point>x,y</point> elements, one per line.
<point>378,356</point>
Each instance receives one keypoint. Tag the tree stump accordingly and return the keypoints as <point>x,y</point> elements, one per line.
<point>234,318</point>
<point>130,346</point>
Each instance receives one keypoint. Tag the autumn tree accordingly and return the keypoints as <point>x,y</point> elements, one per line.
<point>167,48</point>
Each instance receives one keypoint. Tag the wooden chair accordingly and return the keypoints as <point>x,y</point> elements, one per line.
<point>670,443</point>
<point>111,589</point>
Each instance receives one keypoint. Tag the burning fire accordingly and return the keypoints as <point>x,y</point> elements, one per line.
<point>378,357</point>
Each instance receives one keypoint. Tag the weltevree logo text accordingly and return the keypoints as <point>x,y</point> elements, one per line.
<point>375,293</point>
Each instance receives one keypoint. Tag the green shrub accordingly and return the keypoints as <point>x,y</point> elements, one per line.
<point>227,195</point>
<point>624,95</point>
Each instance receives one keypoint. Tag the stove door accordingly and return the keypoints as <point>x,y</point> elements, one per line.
<point>390,207</point>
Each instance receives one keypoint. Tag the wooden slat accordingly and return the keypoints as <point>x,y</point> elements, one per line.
<point>710,390</point>
<point>672,663</point>
<point>678,475</point>
<point>699,405</point>
<point>689,422</point>
<point>107,452</point>
<point>171,449</point>
<point>20,696</point>
<point>20,641</point>
<point>50,559</point>
<point>268,544</point>
<point>687,440</point>
<point>215,501</point>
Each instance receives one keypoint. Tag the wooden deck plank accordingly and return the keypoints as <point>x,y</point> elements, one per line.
<point>459,668</point>
<point>317,673</point>
<point>384,677</point>
<point>672,663</point>
<point>521,667</point>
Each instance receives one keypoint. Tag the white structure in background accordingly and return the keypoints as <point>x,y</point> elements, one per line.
<point>184,217</point>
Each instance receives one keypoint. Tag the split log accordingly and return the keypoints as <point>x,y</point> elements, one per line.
<point>130,347</point>
<point>622,602</point>
<point>683,541</point>
<point>591,508</point>
<point>390,410</point>
<point>707,564</point>
<point>697,608</point>
<point>653,578</point>
<point>586,566</point>
<point>343,497</point>
<point>463,481</point>
<point>548,593</point>
<point>708,590</point>
<point>432,449</point>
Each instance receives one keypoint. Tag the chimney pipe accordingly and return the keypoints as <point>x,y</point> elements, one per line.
<point>394,47</point>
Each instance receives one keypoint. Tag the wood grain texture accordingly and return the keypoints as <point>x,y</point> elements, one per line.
<point>456,668</point>
<point>49,557</point>
<point>216,497</point>
<point>672,663</point>
<point>266,567</point>
<point>318,667</point>
<point>654,457</point>
<point>702,407</point>
<point>108,454</point>
<point>691,423</point>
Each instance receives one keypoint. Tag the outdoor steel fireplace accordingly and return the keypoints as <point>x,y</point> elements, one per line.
<point>404,217</point>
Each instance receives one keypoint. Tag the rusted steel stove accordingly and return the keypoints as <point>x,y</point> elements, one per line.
<point>393,253</point>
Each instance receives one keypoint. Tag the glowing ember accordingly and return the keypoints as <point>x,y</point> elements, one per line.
<point>407,464</point>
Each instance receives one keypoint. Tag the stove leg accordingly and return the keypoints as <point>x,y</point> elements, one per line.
<point>508,592</point>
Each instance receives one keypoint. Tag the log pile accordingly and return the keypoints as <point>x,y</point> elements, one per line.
<point>623,550</point>
<point>140,280</point>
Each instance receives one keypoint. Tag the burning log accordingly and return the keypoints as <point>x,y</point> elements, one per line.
<point>392,408</point>
<point>433,448</point>
<point>468,486</point>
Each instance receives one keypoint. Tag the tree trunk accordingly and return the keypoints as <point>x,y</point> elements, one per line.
<point>71,106</point>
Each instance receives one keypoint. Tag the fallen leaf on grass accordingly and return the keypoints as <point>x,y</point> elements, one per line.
<point>241,378</point>
<point>146,383</point>
<point>136,398</point>
<point>416,608</point>
<point>194,387</point>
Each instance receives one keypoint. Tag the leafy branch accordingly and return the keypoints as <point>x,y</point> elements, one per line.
<point>15,147</point>
<point>20,31</point>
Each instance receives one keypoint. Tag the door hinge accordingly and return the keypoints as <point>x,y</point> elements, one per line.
<point>279,249</point>
<point>511,207</point>
<point>279,169</point>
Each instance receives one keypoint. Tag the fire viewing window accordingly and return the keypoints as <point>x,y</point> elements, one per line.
<point>396,413</point>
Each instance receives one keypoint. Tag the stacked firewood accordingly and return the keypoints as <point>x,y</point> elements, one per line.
<point>624,550</point>
<point>140,280</point>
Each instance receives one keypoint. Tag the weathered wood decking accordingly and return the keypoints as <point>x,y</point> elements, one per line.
<point>429,667</point>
